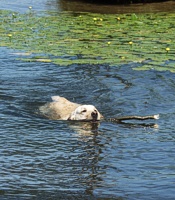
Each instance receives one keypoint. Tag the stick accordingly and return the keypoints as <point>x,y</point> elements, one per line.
<point>133,117</point>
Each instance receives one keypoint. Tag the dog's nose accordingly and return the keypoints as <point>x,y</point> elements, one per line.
<point>94,115</point>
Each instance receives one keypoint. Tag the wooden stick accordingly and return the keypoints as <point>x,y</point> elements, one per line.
<point>133,117</point>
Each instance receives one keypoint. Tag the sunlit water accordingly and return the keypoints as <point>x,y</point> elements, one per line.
<point>46,159</point>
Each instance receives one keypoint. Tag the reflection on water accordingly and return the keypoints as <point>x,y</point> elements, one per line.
<point>22,6</point>
<point>46,159</point>
<point>86,6</point>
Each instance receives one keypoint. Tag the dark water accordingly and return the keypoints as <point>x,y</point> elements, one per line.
<point>85,6</point>
<point>45,159</point>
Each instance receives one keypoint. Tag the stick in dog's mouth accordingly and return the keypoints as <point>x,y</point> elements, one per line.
<point>119,119</point>
<point>133,117</point>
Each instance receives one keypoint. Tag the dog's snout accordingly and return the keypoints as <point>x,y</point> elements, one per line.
<point>94,115</point>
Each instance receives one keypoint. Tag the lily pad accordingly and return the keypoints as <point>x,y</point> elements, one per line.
<point>88,38</point>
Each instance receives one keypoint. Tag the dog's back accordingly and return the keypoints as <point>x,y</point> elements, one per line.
<point>59,109</point>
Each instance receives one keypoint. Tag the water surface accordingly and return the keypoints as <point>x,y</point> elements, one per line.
<point>46,159</point>
<point>41,158</point>
<point>86,6</point>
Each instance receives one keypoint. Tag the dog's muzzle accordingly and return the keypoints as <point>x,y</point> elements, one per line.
<point>94,115</point>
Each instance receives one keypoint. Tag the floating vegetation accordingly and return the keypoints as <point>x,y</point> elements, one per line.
<point>85,38</point>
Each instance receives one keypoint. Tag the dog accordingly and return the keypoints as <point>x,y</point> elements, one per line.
<point>63,109</point>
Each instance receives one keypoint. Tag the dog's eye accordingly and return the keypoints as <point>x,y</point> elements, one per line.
<point>84,110</point>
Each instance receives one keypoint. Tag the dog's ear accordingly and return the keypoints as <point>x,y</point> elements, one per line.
<point>71,116</point>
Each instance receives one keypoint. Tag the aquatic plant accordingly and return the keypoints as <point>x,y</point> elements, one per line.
<point>85,38</point>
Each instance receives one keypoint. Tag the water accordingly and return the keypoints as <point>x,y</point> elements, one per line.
<point>56,159</point>
<point>46,159</point>
<point>85,6</point>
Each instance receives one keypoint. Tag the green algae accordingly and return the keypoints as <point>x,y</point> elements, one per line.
<point>84,38</point>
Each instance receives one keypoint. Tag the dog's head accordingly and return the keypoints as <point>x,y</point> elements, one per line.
<point>85,113</point>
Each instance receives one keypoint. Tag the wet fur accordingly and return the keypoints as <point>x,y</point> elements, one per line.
<point>63,109</point>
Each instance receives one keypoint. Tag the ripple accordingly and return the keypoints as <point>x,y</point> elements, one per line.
<point>59,159</point>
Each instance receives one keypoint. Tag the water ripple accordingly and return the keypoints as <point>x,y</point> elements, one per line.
<point>41,158</point>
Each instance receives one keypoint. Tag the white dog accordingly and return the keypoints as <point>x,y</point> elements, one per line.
<point>63,109</point>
